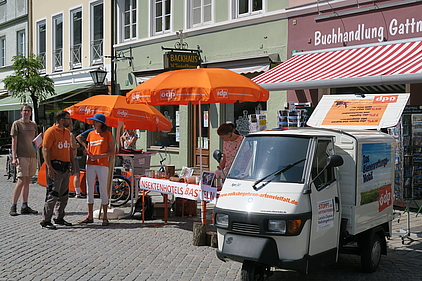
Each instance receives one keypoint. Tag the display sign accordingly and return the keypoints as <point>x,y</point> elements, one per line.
<point>376,170</point>
<point>355,112</point>
<point>180,189</point>
<point>325,214</point>
<point>181,60</point>
<point>369,111</point>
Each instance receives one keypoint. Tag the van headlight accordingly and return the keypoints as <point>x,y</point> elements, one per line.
<point>290,227</point>
<point>222,220</point>
<point>277,226</point>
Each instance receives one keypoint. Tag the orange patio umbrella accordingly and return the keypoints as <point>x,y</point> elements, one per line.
<point>198,86</point>
<point>115,108</point>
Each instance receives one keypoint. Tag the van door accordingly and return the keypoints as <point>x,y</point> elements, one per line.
<point>325,205</point>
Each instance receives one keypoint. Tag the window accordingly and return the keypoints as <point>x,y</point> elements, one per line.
<point>247,7</point>
<point>322,178</point>
<point>2,51</point>
<point>201,12</point>
<point>169,138</point>
<point>242,112</point>
<point>271,159</point>
<point>21,42</point>
<point>58,42</point>
<point>41,41</point>
<point>129,19</point>
<point>162,10</point>
<point>97,32</point>
<point>76,37</point>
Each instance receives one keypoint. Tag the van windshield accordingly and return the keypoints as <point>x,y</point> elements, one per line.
<point>260,156</point>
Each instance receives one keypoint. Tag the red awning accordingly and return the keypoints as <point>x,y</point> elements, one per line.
<point>371,65</point>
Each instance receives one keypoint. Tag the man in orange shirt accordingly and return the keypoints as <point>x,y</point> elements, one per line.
<point>57,153</point>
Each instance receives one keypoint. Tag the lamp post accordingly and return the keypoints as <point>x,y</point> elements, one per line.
<point>98,76</point>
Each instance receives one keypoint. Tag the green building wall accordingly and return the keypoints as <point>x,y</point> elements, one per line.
<point>224,40</point>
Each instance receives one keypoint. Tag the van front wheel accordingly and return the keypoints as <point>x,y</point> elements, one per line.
<point>252,271</point>
<point>371,254</point>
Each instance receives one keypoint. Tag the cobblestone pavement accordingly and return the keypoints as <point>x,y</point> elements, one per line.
<point>127,250</point>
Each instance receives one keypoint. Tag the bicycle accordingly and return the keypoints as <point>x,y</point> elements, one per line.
<point>11,172</point>
<point>120,189</point>
<point>122,182</point>
<point>166,154</point>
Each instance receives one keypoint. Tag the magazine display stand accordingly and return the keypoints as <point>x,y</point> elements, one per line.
<point>408,166</point>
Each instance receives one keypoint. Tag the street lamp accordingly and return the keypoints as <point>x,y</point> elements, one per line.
<point>98,76</point>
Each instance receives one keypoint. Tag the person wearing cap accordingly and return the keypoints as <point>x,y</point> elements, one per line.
<point>100,146</point>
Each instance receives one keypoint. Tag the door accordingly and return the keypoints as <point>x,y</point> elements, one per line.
<point>203,118</point>
<point>325,204</point>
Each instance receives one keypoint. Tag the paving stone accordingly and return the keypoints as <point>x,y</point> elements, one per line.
<point>127,250</point>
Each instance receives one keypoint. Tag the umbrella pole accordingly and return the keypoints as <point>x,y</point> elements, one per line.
<point>203,205</point>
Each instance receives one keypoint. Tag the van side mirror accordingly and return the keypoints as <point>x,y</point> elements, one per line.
<point>217,155</point>
<point>334,161</point>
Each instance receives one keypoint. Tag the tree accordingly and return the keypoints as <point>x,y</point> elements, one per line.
<point>28,80</point>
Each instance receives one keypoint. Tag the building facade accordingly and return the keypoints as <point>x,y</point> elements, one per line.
<point>245,36</point>
<point>13,41</point>
<point>73,38</point>
<point>351,47</point>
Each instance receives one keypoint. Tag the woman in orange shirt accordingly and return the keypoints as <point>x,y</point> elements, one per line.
<point>100,147</point>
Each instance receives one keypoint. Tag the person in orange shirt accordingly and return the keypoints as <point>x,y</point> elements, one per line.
<point>57,151</point>
<point>100,146</point>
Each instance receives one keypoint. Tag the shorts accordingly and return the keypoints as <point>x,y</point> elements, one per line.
<point>27,167</point>
<point>77,168</point>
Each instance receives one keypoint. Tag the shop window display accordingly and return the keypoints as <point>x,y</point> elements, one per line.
<point>242,112</point>
<point>167,138</point>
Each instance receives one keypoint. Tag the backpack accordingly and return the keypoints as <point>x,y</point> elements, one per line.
<point>149,207</point>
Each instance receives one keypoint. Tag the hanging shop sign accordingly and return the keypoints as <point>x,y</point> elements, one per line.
<point>181,60</point>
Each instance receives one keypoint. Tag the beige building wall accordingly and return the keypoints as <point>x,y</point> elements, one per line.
<point>46,10</point>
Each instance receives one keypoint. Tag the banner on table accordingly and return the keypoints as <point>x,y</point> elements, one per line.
<point>180,189</point>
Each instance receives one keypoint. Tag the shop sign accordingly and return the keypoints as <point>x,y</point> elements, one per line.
<point>181,60</point>
<point>376,33</point>
<point>379,25</point>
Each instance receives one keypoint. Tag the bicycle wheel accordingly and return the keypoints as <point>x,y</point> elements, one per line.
<point>120,192</point>
<point>14,173</point>
<point>8,162</point>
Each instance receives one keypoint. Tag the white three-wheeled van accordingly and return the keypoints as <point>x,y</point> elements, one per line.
<point>295,198</point>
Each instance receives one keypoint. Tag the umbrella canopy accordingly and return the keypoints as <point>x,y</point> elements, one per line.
<point>115,108</point>
<point>198,86</point>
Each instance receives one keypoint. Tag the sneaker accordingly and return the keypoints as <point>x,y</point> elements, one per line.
<point>13,211</point>
<point>80,196</point>
<point>48,225</point>
<point>27,211</point>
<point>62,222</point>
